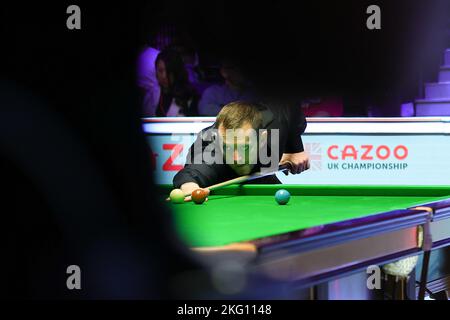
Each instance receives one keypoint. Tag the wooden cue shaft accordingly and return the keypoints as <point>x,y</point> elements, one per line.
<point>229,182</point>
<point>238,180</point>
<point>222,184</point>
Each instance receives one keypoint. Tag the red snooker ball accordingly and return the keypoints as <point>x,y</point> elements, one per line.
<point>199,196</point>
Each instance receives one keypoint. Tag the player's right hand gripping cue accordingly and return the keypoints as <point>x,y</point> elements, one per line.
<point>298,162</point>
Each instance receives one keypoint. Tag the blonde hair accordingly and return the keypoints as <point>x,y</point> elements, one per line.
<point>235,114</point>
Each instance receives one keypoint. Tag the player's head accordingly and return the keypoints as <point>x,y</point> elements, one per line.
<point>238,124</point>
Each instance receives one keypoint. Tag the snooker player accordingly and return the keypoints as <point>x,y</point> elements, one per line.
<point>279,132</point>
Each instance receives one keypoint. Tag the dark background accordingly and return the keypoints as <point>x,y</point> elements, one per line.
<point>299,48</point>
<point>86,79</point>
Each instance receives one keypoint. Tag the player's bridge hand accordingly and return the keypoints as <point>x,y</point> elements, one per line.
<point>298,162</point>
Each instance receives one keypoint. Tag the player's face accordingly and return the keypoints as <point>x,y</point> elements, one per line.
<point>237,148</point>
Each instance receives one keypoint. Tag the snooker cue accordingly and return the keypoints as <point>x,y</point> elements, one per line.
<point>229,182</point>
<point>246,178</point>
<point>239,180</point>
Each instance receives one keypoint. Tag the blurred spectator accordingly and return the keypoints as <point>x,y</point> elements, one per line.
<point>174,95</point>
<point>167,37</point>
<point>323,107</point>
<point>191,62</point>
<point>146,72</point>
<point>235,87</point>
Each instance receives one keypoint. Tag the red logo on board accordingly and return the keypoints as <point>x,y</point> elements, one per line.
<point>367,152</point>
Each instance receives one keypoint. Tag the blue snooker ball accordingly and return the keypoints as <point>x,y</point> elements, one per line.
<point>282,196</point>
